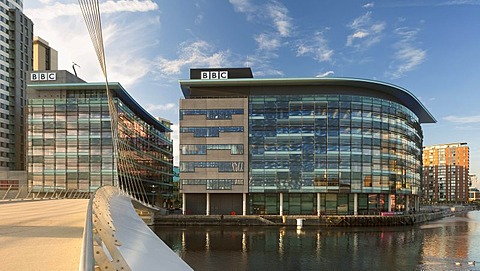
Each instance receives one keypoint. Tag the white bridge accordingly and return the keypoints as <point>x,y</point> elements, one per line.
<point>116,238</point>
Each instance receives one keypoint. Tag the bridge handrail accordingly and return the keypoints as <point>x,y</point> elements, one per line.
<point>87,259</point>
<point>112,233</point>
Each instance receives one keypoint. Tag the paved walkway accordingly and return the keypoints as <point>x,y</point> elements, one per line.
<point>41,235</point>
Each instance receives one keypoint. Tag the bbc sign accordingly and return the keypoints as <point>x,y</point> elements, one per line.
<point>43,76</point>
<point>213,75</point>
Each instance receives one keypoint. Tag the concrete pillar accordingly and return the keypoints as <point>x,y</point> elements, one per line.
<point>184,203</point>
<point>318,204</point>
<point>281,203</point>
<point>389,203</point>
<point>355,204</point>
<point>152,218</point>
<point>417,203</point>
<point>208,204</point>
<point>244,204</point>
<point>407,204</point>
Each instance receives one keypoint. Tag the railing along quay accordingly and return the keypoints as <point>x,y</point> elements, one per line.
<point>307,220</point>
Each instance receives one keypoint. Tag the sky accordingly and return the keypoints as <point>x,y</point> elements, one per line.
<point>429,47</point>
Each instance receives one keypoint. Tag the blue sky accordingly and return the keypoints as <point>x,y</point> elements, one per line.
<point>429,47</point>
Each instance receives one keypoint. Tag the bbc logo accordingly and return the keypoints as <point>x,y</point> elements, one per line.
<point>214,75</point>
<point>43,76</point>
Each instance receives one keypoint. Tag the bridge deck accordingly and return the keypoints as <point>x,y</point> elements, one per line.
<point>41,235</point>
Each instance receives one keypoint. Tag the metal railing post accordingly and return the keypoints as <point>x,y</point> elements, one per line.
<point>6,193</point>
<point>28,195</point>
<point>19,191</point>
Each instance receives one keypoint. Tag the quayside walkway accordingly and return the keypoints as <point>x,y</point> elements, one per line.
<point>41,234</point>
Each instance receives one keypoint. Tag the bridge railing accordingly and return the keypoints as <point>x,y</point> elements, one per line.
<point>116,238</point>
<point>14,192</point>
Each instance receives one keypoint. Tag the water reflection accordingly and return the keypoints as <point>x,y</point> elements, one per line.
<point>474,240</point>
<point>452,241</point>
<point>434,246</point>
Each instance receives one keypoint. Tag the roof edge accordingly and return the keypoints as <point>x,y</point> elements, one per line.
<point>408,99</point>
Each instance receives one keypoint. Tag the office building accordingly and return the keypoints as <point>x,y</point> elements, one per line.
<point>44,57</point>
<point>16,36</point>
<point>298,145</point>
<point>473,181</point>
<point>446,173</point>
<point>70,144</point>
<point>167,123</point>
<point>473,195</point>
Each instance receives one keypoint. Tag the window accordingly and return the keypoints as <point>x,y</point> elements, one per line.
<point>214,184</point>
<point>202,149</point>
<point>222,166</point>
<point>212,114</point>
<point>211,131</point>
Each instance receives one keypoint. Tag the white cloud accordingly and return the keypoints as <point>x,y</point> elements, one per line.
<point>360,34</point>
<point>197,53</point>
<point>378,27</point>
<point>63,27</point>
<point>317,47</point>
<point>325,74</point>
<point>70,38</point>
<point>460,2</point>
<point>267,42</point>
<point>45,2</point>
<point>279,15</point>
<point>467,119</point>
<point>125,47</point>
<point>128,6</point>
<point>161,107</point>
<point>262,66</point>
<point>274,14</point>
<point>127,69</point>
<point>410,58</point>
<point>198,19</point>
<point>243,6</point>
<point>365,32</point>
<point>407,56</point>
<point>55,10</point>
<point>361,21</point>
<point>368,5</point>
<point>274,11</point>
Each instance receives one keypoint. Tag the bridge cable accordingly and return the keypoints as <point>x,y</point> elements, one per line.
<point>127,177</point>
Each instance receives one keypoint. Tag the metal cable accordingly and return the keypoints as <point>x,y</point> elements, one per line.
<point>127,177</point>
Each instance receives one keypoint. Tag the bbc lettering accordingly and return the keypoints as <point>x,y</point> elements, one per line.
<point>214,75</point>
<point>43,76</point>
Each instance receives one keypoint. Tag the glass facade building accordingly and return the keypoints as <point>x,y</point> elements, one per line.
<point>336,145</point>
<point>70,144</point>
<point>314,145</point>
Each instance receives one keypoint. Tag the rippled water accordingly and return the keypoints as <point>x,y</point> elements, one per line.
<point>447,244</point>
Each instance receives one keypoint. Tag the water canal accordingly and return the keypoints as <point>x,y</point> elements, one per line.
<point>446,244</point>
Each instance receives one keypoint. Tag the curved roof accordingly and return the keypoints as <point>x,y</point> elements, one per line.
<point>250,86</point>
